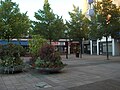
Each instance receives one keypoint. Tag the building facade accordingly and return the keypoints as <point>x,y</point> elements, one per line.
<point>98,47</point>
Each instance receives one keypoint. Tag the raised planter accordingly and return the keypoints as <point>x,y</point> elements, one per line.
<point>50,69</point>
<point>11,69</point>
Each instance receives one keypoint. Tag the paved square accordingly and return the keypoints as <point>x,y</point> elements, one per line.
<point>88,73</point>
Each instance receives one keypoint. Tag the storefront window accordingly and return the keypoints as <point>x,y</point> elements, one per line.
<point>109,48</point>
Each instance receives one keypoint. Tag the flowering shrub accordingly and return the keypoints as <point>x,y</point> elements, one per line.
<point>48,58</point>
<point>10,55</point>
<point>48,53</point>
<point>34,45</point>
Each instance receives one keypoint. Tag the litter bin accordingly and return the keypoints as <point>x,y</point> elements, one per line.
<point>77,55</point>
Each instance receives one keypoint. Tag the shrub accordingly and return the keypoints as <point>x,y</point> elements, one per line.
<point>48,53</point>
<point>35,43</point>
<point>48,57</point>
<point>10,55</point>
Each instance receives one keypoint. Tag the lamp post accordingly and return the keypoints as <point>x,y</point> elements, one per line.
<point>66,44</point>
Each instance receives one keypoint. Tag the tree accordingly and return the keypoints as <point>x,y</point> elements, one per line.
<point>109,20</point>
<point>48,24</point>
<point>35,44</point>
<point>13,24</point>
<point>94,29</point>
<point>78,26</point>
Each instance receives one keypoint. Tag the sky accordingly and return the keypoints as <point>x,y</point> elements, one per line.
<point>59,7</point>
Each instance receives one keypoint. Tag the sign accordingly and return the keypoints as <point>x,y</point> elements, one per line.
<point>58,43</point>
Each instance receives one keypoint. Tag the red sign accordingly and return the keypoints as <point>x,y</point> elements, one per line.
<point>55,43</point>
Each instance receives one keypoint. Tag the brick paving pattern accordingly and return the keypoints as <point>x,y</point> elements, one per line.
<point>89,73</point>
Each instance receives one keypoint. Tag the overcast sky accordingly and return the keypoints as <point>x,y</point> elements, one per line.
<point>59,7</point>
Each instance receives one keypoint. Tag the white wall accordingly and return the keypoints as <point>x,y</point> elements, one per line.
<point>104,39</point>
<point>91,47</point>
<point>117,48</point>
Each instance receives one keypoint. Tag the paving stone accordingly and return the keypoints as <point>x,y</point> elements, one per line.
<point>21,88</point>
<point>7,82</point>
<point>18,86</point>
<point>11,88</point>
<point>117,79</point>
<point>31,89</point>
<point>80,74</point>
<point>101,85</point>
<point>60,88</point>
<point>68,84</point>
<point>1,82</point>
<point>5,79</point>
<point>42,85</point>
<point>3,87</point>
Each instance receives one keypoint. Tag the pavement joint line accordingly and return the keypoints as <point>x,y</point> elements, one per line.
<point>93,65</point>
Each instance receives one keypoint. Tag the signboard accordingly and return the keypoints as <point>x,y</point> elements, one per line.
<point>58,43</point>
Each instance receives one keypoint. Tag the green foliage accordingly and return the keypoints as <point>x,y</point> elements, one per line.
<point>108,17</point>
<point>47,64</point>
<point>94,29</point>
<point>47,53</point>
<point>13,24</point>
<point>48,58</point>
<point>48,24</point>
<point>10,55</point>
<point>78,25</point>
<point>35,44</point>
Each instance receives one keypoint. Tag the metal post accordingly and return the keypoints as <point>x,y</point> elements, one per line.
<point>107,48</point>
<point>66,44</point>
<point>66,49</point>
<point>81,48</point>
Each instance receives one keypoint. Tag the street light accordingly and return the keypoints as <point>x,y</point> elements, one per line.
<point>66,44</point>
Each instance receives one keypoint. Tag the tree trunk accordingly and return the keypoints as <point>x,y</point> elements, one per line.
<point>66,49</point>
<point>80,48</point>
<point>107,53</point>
<point>8,39</point>
<point>50,41</point>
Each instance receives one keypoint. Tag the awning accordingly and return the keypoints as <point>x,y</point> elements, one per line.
<point>21,42</point>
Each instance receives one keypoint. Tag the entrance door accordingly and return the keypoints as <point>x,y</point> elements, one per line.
<point>94,47</point>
